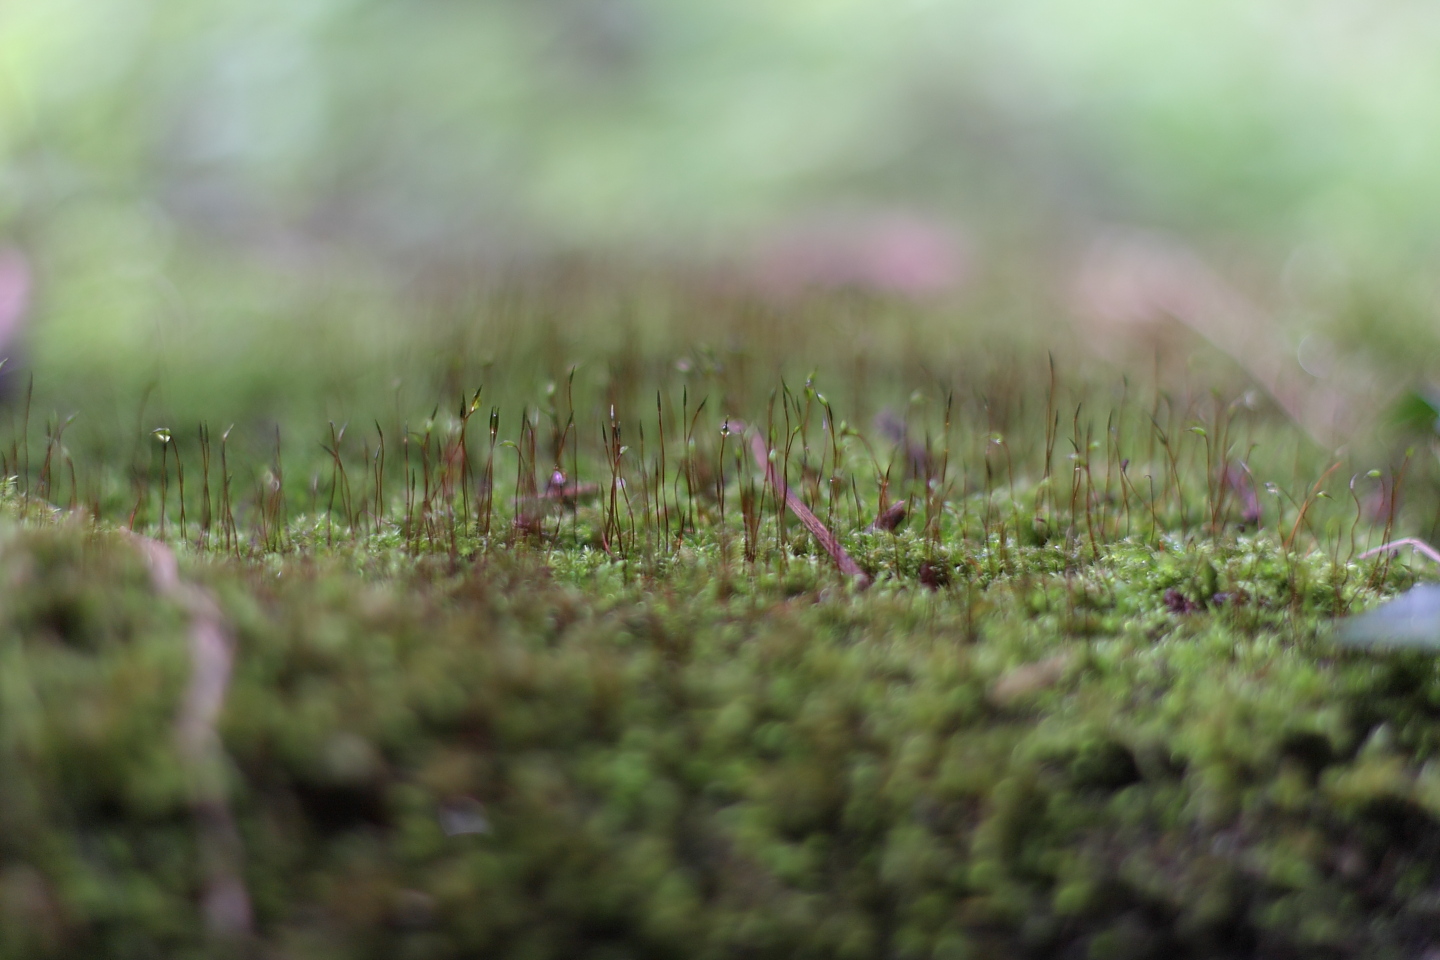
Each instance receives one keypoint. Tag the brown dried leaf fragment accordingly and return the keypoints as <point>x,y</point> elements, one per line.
<point>891,517</point>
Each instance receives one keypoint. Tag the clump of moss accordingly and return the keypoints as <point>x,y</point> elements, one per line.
<point>515,758</point>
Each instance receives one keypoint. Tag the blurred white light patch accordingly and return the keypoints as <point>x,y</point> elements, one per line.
<point>1316,356</point>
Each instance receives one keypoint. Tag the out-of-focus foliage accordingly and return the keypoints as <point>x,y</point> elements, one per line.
<point>594,119</point>
<point>214,181</point>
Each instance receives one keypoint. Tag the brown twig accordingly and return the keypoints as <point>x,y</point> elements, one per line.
<point>823,536</point>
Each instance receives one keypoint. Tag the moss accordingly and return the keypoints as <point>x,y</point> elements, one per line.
<point>649,767</point>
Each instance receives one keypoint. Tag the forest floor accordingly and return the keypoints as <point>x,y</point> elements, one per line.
<point>651,652</point>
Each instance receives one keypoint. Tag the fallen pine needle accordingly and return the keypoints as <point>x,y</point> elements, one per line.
<point>823,536</point>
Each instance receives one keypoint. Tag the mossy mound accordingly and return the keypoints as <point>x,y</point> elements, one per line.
<point>500,758</point>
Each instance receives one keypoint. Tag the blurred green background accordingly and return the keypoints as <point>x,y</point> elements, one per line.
<point>267,192</point>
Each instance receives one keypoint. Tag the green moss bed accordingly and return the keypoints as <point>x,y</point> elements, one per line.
<point>522,756</point>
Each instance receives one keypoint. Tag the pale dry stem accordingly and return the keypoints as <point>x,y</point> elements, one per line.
<point>226,905</point>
